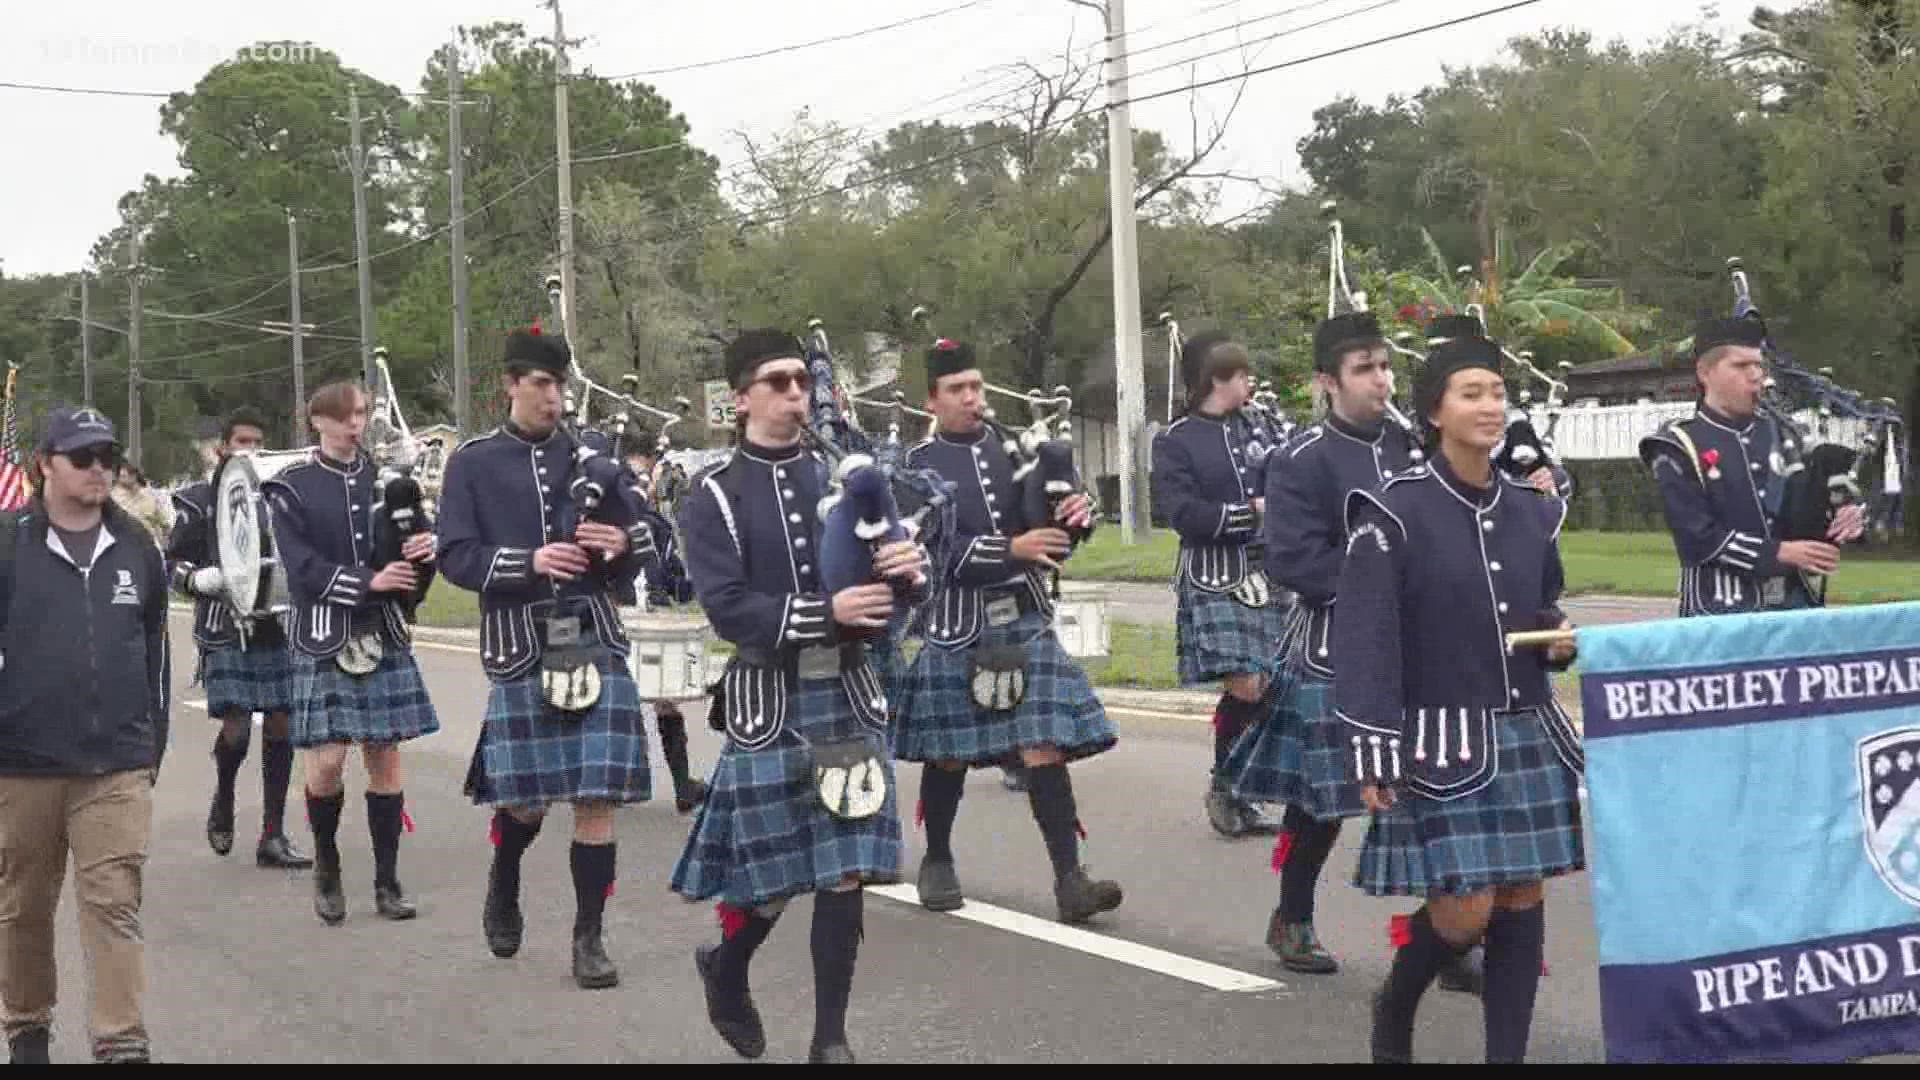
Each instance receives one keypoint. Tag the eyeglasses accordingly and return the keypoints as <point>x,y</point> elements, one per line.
<point>780,381</point>
<point>87,456</point>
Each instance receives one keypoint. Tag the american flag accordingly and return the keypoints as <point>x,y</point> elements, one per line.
<point>13,477</point>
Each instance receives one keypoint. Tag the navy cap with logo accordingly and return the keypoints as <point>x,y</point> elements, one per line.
<point>69,429</point>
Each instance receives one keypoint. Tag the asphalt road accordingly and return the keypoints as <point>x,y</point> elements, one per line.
<point>240,969</point>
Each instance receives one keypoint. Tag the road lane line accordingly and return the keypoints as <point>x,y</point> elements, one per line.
<point>1146,957</point>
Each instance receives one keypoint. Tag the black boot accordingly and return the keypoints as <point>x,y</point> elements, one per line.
<point>329,901</point>
<point>1414,967</point>
<point>276,850</point>
<point>593,866</point>
<point>1080,898</point>
<point>1295,943</point>
<point>30,1047</point>
<point>383,826</point>
<point>500,916</point>
<point>723,974</point>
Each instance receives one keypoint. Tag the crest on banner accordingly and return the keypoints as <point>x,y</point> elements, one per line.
<point>1889,765</point>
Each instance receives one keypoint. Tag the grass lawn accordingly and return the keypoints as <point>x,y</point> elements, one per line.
<point>1634,564</point>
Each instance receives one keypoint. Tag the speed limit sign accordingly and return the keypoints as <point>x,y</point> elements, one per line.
<point>720,411</point>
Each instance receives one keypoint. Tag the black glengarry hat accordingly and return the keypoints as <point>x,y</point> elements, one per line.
<point>1334,336</point>
<point>540,352</point>
<point>948,357</point>
<point>754,347</point>
<point>1713,333</point>
<point>1455,354</point>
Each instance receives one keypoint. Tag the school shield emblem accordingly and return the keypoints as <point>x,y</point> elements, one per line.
<point>1889,765</point>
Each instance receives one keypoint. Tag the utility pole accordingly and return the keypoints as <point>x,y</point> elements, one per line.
<point>457,209</point>
<point>299,363</point>
<point>358,163</point>
<point>1130,379</point>
<point>133,353</point>
<point>86,345</point>
<point>565,149</point>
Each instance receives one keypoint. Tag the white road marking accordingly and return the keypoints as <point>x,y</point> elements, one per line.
<point>1212,976</point>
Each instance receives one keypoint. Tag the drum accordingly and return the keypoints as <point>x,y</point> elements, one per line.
<point>255,585</point>
<point>668,654</point>
<point>1080,621</point>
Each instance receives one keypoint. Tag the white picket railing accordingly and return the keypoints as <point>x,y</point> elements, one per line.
<point>1602,432</point>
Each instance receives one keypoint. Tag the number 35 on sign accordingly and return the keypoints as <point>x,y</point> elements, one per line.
<point>720,412</point>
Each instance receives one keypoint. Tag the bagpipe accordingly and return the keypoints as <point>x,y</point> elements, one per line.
<point>1814,478</point>
<point>1342,300</point>
<point>865,488</point>
<point>1523,449</point>
<point>598,467</point>
<point>407,480</point>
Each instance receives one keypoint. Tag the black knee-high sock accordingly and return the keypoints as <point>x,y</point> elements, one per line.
<point>512,838</point>
<point>228,756</point>
<point>837,926</point>
<point>1309,843</point>
<point>940,791</point>
<point>1516,941</point>
<point>324,813</point>
<point>1415,966</point>
<point>593,866</point>
<point>1231,719</point>
<point>742,930</point>
<point>383,826</point>
<point>1050,790</point>
<point>276,772</point>
<point>673,740</point>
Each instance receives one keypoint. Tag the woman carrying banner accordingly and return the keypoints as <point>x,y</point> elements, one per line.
<point>1470,767</point>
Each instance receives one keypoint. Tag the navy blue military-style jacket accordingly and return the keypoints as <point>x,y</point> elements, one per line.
<point>1436,573</point>
<point>324,522</point>
<point>979,566</point>
<point>1717,477</point>
<point>1207,470</point>
<point>504,496</point>
<point>1306,521</point>
<point>190,547</point>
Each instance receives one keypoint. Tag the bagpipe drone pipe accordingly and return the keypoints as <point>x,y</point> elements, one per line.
<point>1342,300</point>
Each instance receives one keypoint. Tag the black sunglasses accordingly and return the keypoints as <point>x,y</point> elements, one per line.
<point>781,380</point>
<point>85,457</point>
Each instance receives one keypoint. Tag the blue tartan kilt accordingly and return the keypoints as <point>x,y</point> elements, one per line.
<point>387,705</point>
<point>531,754</point>
<point>1217,636</point>
<point>1523,827</point>
<point>935,718</point>
<point>1295,756</point>
<point>763,834</point>
<point>257,680</point>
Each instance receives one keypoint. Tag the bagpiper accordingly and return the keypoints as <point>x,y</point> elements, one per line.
<point>801,800</point>
<point>243,674</point>
<point>564,720</point>
<point>355,681</point>
<point>1208,483</point>
<point>992,684</point>
<point>1715,471</point>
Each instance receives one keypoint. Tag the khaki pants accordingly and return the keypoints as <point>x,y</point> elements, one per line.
<point>104,821</point>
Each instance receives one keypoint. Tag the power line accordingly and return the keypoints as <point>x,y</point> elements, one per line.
<point>851,35</point>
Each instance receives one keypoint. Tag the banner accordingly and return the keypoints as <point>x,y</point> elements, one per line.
<point>1754,801</point>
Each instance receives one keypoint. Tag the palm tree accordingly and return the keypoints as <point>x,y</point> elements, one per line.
<point>1533,308</point>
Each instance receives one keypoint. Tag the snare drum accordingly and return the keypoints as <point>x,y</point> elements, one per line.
<point>668,654</point>
<point>1080,621</point>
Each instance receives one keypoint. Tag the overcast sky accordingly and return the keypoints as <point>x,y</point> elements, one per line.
<point>73,155</point>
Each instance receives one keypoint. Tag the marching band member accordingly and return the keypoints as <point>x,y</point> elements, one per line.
<point>1205,484</point>
<point>1714,469</point>
<point>242,677</point>
<point>666,583</point>
<point>992,682</point>
<point>564,720</point>
<point>1296,757</point>
<point>1468,763</point>
<point>355,680</point>
<point>801,799</point>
